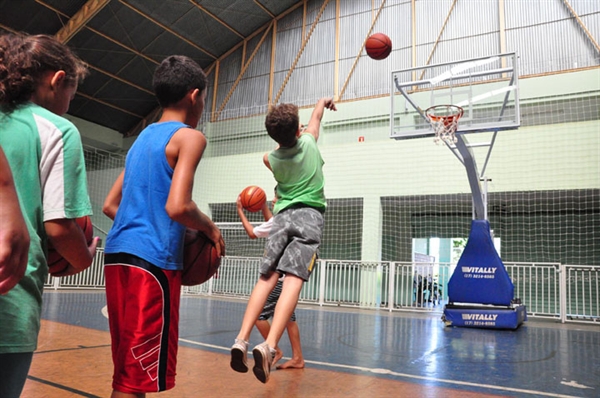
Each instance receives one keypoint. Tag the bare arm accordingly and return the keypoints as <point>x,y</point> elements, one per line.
<point>69,241</point>
<point>14,236</point>
<point>266,161</point>
<point>245,223</point>
<point>113,199</point>
<point>267,214</point>
<point>314,124</point>
<point>184,151</point>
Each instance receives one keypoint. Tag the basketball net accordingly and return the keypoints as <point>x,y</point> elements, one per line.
<point>444,121</point>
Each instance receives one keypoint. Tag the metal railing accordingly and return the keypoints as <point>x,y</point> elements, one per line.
<point>568,293</point>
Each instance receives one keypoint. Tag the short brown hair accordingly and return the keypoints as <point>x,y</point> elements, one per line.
<point>282,124</point>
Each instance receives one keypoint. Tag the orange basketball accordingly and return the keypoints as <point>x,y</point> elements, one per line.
<point>200,260</point>
<point>253,198</point>
<point>56,262</point>
<point>378,46</point>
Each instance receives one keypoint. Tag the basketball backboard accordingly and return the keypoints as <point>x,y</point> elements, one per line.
<point>487,89</point>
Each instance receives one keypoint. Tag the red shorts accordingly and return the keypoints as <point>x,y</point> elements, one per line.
<point>143,315</point>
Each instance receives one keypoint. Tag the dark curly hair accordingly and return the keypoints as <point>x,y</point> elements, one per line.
<point>24,60</point>
<point>282,123</point>
<point>175,77</point>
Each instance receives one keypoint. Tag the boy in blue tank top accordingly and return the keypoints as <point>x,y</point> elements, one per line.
<point>296,233</point>
<point>151,205</point>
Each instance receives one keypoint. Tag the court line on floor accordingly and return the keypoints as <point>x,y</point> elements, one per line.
<point>81,347</point>
<point>62,387</point>
<point>404,375</point>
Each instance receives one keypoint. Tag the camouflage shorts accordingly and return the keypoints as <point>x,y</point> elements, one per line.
<point>293,243</point>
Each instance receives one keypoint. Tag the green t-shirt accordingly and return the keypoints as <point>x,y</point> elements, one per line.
<point>46,158</point>
<point>299,174</point>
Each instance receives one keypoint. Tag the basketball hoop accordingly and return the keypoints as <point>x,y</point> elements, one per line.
<point>444,121</point>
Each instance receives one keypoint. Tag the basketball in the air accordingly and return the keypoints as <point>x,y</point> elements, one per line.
<point>253,198</point>
<point>378,46</point>
<point>56,262</point>
<point>200,259</point>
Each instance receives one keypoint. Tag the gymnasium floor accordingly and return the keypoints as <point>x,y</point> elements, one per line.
<point>348,353</point>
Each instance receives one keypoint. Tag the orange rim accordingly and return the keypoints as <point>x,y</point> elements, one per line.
<point>445,119</point>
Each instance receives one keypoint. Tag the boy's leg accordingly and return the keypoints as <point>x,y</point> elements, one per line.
<point>292,285</point>
<point>14,368</point>
<point>257,300</point>
<point>264,327</point>
<point>262,324</point>
<point>258,297</point>
<point>297,361</point>
<point>298,232</point>
<point>264,353</point>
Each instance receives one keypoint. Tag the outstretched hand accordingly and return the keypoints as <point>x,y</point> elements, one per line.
<point>329,104</point>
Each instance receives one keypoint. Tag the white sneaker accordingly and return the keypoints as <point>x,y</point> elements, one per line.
<point>239,356</point>
<point>263,359</point>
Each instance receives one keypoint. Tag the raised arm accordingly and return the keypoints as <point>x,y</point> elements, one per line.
<point>314,124</point>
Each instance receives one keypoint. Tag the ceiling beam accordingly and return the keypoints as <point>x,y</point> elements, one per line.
<point>437,41</point>
<point>264,9</point>
<point>336,68</point>
<point>272,64</point>
<point>267,27</point>
<point>413,26</point>
<point>79,20</point>
<point>112,76</point>
<point>582,25</point>
<point>114,41</point>
<point>118,43</point>
<point>9,29</point>
<point>241,74</point>
<point>165,27</point>
<point>215,86</point>
<point>258,31</point>
<point>210,14</point>
<point>305,41</point>
<point>362,47</point>
<point>502,29</point>
<point>109,105</point>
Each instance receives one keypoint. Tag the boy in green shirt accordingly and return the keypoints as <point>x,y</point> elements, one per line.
<point>295,237</point>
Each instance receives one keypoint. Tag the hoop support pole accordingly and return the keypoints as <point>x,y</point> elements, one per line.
<point>473,176</point>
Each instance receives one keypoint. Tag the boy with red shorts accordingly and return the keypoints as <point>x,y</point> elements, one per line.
<point>151,205</point>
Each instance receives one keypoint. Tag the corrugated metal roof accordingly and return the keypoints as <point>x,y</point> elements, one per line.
<point>124,40</point>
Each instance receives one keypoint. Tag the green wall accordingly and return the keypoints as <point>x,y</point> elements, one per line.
<point>557,149</point>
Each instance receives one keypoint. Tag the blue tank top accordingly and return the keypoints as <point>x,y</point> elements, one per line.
<point>142,226</point>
